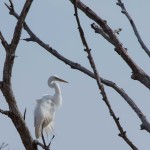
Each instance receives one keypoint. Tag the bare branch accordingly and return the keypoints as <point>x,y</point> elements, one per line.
<point>84,70</point>
<point>11,5</point>
<point>99,83</point>
<point>101,31</point>
<point>19,25</point>
<point>137,72</point>
<point>136,32</point>
<point>145,124</point>
<point>4,42</point>
<point>6,89</point>
<point>24,115</point>
<point>4,112</point>
<point>28,39</point>
<point>1,84</point>
<point>15,40</point>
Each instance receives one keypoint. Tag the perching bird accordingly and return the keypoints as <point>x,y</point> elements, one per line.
<point>44,112</point>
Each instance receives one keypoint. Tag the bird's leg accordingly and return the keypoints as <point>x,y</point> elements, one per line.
<point>51,140</point>
<point>43,138</point>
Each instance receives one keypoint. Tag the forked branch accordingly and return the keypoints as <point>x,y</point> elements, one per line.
<point>145,124</point>
<point>137,72</point>
<point>6,86</point>
<point>136,32</point>
<point>99,82</point>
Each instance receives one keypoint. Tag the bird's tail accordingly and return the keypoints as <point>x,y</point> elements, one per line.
<point>38,130</point>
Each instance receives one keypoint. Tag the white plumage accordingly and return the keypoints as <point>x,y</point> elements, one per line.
<point>44,112</point>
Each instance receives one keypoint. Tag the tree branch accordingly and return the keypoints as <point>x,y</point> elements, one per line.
<point>84,70</point>
<point>4,42</point>
<point>24,115</point>
<point>137,72</point>
<point>19,25</point>
<point>4,112</point>
<point>15,40</point>
<point>99,30</point>
<point>136,32</point>
<point>6,89</point>
<point>99,83</point>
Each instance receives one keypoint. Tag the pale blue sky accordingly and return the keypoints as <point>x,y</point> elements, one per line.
<point>83,121</point>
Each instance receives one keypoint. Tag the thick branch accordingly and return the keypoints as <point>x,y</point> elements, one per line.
<point>138,73</point>
<point>19,25</point>
<point>77,66</point>
<point>6,89</point>
<point>15,40</point>
<point>99,82</point>
<point>136,32</point>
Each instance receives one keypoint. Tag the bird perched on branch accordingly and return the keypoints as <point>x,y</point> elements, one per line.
<point>44,112</point>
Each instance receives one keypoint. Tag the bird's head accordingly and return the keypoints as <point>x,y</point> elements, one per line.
<point>55,78</point>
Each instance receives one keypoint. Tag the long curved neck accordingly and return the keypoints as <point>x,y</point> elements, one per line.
<point>57,98</point>
<point>56,88</point>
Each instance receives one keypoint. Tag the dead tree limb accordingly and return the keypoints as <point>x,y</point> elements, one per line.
<point>137,72</point>
<point>6,86</point>
<point>136,32</point>
<point>99,82</point>
<point>145,123</point>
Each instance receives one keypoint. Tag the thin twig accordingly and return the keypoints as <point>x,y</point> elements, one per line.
<point>5,112</point>
<point>136,32</point>
<point>24,115</point>
<point>99,83</point>
<point>84,70</point>
<point>11,5</point>
<point>99,30</point>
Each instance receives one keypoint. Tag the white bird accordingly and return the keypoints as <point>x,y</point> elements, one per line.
<point>44,112</point>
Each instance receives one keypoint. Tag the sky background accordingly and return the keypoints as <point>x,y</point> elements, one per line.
<point>83,121</point>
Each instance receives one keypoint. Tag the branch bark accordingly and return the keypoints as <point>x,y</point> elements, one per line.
<point>137,72</point>
<point>136,32</point>
<point>99,82</point>
<point>3,41</point>
<point>6,89</point>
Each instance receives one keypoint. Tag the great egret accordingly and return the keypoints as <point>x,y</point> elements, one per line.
<point>44,112</point>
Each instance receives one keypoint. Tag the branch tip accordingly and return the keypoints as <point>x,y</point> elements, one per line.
<point>24,115</point>
<point>11,5</point>
<point>5,112</point>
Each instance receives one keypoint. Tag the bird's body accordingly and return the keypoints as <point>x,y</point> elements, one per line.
<point>44,112</point>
